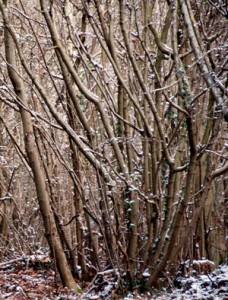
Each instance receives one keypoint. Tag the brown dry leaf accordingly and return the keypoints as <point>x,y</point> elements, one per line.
<point>30,271</point>
<point>42,288</point>
<point>33,295</point>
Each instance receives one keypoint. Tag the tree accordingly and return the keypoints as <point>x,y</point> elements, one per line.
<point>122,111</point>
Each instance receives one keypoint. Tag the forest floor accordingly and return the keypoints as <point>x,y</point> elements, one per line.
<point>26,279</point>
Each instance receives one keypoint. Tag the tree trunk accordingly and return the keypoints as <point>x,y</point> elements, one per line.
<point>35,164</point>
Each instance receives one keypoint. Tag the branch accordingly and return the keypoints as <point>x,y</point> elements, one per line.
<point>161,46</point>
<point>77,140</point>
<point>220,171</point>
<point>143,87</point>
<point>202,65</point>
<point>10,262</point>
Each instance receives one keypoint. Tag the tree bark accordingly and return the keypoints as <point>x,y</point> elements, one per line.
<point>51,232</point>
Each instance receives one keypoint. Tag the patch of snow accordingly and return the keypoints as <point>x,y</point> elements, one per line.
<point>146,274</point>
<point>212,286</point>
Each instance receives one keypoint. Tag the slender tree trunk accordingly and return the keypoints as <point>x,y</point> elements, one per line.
<point>51,232</point>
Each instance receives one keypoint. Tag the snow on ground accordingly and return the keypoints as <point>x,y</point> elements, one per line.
<point>22,280</point>
<point>213,286</point>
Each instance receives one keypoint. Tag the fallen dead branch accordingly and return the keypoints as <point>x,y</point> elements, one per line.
<point>10,262</point>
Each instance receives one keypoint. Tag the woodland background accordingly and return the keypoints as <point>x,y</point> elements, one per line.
<point>113,135</point>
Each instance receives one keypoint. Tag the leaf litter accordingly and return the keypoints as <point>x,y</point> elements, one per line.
<point>34,278</point>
